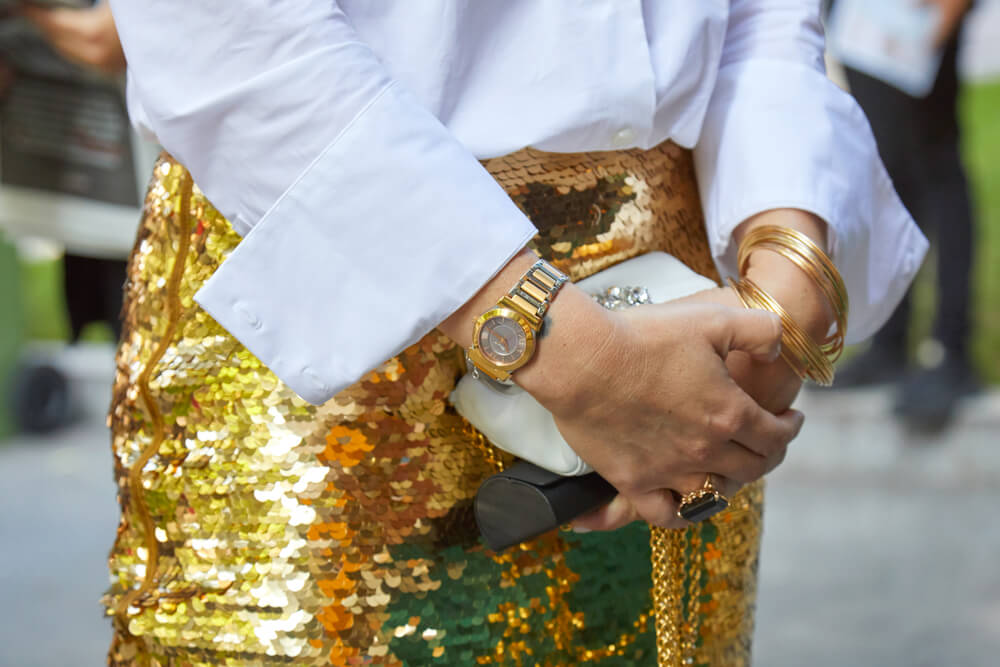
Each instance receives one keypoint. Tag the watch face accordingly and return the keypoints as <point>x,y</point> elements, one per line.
<point>502,340</point>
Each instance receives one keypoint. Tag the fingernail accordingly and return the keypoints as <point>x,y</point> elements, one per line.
<point>580,529</point>
<point>776,352</point>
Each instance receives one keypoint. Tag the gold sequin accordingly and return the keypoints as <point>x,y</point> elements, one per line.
<point>260,530</point>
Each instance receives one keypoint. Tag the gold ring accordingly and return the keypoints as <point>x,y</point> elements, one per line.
<point>702,503</point>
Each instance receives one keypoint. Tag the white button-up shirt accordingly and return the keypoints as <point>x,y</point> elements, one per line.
<point>342,139</point>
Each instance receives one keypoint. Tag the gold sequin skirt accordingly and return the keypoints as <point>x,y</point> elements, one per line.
<point>257,529</point>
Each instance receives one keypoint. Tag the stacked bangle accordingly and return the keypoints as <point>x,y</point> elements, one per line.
<point>807,358</point>
<point>797,348</point>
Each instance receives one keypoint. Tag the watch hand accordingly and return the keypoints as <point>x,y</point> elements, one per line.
<point>499,342</point>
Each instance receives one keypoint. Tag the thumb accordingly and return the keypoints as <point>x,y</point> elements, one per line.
<point>756,332</point>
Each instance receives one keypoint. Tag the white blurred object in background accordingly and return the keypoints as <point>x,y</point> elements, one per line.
<point>979,59</point>
<point>892,40</point>
<point>71,169</point>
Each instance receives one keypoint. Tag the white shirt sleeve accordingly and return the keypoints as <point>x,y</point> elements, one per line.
<point>366,222</point>
<point>779,134</point>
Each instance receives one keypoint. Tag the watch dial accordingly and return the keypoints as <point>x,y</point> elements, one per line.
<point>502,340</point>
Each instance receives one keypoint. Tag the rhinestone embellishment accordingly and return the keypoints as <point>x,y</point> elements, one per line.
<point>620,298</point>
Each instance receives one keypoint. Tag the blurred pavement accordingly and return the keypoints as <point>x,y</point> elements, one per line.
<point>880,549</point>
<point>58,515</point>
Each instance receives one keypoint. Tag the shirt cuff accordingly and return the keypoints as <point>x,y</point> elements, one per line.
<point>781,135</point>
<point>390,230</point>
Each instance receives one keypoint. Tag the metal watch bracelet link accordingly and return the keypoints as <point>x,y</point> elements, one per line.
<point>533,292</point>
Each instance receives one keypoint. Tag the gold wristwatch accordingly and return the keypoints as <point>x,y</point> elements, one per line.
<point>503,338</point>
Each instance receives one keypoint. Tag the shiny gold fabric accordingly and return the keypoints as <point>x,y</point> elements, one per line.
<point>259,530</point>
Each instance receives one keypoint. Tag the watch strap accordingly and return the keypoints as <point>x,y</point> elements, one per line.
<point>533,293</point>
<point>503,384</point>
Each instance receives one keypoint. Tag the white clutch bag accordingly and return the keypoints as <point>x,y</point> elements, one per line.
<point>514,421</point>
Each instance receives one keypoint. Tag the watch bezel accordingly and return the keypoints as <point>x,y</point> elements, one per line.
<point>502,371</point>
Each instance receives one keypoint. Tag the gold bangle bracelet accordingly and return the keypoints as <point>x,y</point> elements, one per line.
<point>798,241</point>
<point>804,253</point>
<point>804,247</point>
<point>810,258</point>
<point>798,349</point>
<point>789,352</point>
<point>834,343</point>
<point>801,352</point>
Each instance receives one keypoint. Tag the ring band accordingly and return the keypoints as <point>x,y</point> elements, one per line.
<point>702,503</point>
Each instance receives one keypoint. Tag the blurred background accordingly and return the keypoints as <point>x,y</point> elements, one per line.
<point>881,542</point>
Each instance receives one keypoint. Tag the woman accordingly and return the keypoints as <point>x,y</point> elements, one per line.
<point>371,156</point>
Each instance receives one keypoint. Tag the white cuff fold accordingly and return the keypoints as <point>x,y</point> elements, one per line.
<point>779,134</point>
<point>384,235</point>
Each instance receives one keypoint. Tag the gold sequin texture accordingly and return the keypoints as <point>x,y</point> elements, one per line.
<point>257,529</point>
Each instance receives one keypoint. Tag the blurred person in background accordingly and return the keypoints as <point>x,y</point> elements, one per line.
<point>919,141</point>
<point>340,532</point>
<point>87,37</point>
<point>6,76</point>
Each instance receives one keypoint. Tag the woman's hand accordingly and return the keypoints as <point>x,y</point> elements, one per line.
<point>656,408</point>
<point>769,382</point>
<point>85,36</point>
<point>645,396</point>
<point>772,384</point>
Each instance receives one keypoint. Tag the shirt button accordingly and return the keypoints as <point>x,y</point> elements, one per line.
<point>316,380</point>
<point>251,319</point>
<point>624,138</point>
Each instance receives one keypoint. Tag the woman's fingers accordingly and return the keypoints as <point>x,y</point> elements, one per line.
<point>653,405</point>
<point>661,505</point>
<point>658,508</point>
<point>764,433</point>
<point>743,442</point>
<point>616,514</point>
<point>756,332</point>
<point>730,460</point>
<point>727,487</point>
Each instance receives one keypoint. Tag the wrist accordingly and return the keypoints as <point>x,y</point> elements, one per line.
<point>801,297</point>
<point>574,328</point>
<point>459,325</point>
<point>576,332</point>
